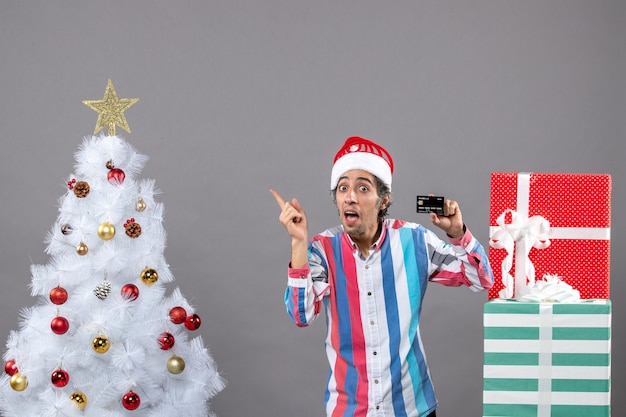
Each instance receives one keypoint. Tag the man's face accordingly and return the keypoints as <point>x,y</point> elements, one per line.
<point>358,204</point>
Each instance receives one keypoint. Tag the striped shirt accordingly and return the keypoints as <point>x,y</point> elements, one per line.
<point>373,308</point>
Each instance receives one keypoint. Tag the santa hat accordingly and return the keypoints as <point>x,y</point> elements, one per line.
<point>360,153</point>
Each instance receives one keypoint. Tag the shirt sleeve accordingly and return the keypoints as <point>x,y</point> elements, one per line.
<point>461,262</point>
<point>306,289</point>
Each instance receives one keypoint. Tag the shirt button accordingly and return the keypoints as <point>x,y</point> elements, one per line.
<point>367,267</point>
<point>378,407</point>
<point>375,353</point>
<point>372,322</point>
<point>369,293</point>
<point>375,381</point>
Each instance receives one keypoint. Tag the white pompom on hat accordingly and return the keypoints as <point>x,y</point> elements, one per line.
<point>360,153</point>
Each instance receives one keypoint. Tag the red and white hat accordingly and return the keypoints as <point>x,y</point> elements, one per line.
<point>360,153</point>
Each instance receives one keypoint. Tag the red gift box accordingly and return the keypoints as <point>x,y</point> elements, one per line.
<point>544,223</point>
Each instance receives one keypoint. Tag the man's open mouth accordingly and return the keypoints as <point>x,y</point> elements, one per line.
<point>350,216</point>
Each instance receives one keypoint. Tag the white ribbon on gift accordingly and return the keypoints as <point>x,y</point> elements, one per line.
<point>524,233</point>
<point>519,237</point>
<point>544,377</point>
<point>551,289</point>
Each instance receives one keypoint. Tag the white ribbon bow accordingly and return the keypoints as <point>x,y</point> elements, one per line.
<point>521,234</point>
<point>551,290</point>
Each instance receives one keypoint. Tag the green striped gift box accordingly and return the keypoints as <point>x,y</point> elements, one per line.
<point>547,359</point>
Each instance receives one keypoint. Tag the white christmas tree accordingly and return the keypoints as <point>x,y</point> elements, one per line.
<point>105,338</point>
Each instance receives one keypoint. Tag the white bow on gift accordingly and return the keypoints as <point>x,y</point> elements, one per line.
<point>517,238</point>
<point>551,290</point>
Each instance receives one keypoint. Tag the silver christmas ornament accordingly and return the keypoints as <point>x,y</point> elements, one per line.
<point>103,290</point>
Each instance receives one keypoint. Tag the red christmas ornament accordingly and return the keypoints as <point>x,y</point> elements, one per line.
<point>116,176</point>
<point>130,292</point>
<point>193,322</point>
<point>131,401</point>
<point>178,315</point>
<point>58,295</point>
<point>166,341</point>
<point>10,367</point>
<point>60,378</point>
<point>59,325</point>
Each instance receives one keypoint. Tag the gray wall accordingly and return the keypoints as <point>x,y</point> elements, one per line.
<point>241,96</point>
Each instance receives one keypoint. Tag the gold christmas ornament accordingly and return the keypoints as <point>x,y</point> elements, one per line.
<point>106,231</point>
<point>101,344</point>
<point>18,382</point>
<point>82,249</point>
<point>80,399</point>
<point>175,364</point>
<point>149,276</point>
<point>140,205</point>
<point>110,110</point>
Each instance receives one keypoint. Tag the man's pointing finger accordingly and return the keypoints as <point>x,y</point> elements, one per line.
<point>279,199</point>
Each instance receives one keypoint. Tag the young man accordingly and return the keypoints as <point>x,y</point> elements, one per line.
<point>370,275</point>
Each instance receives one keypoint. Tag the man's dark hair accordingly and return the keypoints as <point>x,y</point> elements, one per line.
<point>381,189</point>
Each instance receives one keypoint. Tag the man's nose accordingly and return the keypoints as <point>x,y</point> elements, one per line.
<point>350,195</point>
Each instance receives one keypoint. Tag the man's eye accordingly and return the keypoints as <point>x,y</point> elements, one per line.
<point>363,188</point>
<point>342,188</point>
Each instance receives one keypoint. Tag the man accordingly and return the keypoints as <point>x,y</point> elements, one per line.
<point>370,275</point>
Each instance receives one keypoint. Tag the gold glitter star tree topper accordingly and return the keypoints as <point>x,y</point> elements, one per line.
<point>111,110</point>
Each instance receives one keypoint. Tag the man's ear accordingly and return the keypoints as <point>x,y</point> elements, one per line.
<point>384,202</point>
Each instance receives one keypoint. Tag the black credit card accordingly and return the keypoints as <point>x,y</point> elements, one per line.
<point>430,204</point>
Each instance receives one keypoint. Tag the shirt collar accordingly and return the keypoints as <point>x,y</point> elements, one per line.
<point>376,245</point>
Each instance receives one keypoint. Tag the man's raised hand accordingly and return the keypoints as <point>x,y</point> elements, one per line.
<point>292,217</point>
